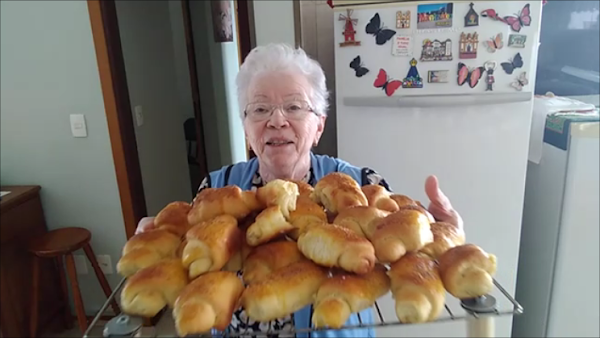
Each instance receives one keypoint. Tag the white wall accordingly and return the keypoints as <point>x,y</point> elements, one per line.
<point>274,21</point>
<point>148,51</point>
<point>48,70</point>
<point>184,88</point>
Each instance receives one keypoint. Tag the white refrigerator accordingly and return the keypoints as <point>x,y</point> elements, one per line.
<point>416,102</point>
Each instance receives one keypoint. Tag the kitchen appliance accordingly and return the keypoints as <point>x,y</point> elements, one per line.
<point>407,117</point>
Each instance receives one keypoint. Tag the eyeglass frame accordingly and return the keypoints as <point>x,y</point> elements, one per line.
<point>280,106</point>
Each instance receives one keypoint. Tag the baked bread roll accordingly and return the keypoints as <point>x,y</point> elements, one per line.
<point>270,257</point>
<point>207,302</point>
<point>467,271</point>
<point>283,291</point>
<point>229,200</point>
<point>417,288</point>
<point>210,245</point>
<point>418,207</point>
<point>360,219</point>
<point>149,290</point>
<point>346,293</point>
<point>402,200</point>
<point>146,249</point>
<point>337,191</point>
<point>304,189</point>
<point>306,212</point>
<point>331,245</point>
<point>379,197</point>
<point>445,237</point>
<point>279,193</point>
<point>174,218</point>
<point>399,233</point>
<point>269,224</point>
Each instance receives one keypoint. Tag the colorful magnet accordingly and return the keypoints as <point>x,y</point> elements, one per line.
<point>349,31</point>
<point>359,70</point>
<point>437,76</point>
<point>436,50</point>
<point>434,16</point>
<point>494,43</point>
<point>520,82</point>
<point>403,19</point>
<point>375,28</point>
<point>402,46</point>
<point>510,66</point>
<point>412,79</point>
<point>517,40</point>
<point>516,22</point>
<point>472,76</point>
<point>468,45</point>
<point>472,18</point>
<point>490,66</point>
<point>389,86</point>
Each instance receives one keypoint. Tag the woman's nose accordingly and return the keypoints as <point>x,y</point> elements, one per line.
<point>277,119</point>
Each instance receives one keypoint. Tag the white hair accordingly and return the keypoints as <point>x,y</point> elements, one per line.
<point>282,57</point>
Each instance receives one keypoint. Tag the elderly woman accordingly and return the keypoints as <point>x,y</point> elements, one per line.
<point>284,99</point>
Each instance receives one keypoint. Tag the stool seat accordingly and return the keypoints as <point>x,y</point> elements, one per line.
<point>59,242</point>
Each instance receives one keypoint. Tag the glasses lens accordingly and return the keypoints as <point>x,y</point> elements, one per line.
<point>292,110</point>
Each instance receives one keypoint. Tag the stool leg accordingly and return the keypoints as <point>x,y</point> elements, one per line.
<point>79,309</point>
<point>65,291</point>
<point>35,291</point>
<point>101,278</point>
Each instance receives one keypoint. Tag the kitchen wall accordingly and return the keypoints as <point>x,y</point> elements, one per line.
<point>48,70</point>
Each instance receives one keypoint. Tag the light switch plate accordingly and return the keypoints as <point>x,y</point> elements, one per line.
<point>139,115</point>
<point>78,127</point>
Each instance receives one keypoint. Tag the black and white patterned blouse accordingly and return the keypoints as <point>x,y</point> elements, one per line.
<point>241,323</point>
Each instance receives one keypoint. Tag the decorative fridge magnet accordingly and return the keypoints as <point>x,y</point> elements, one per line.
<point>436,50</point>
<point>510,66</point>
<point>349,32</point>
<point>472,76</point>
<point>472,18</point>
<point>437,76</point>
<point>389,86</point>
<point>357,65</point>
<point>434,16</point>
<point>412,79</point>
<point>494,43</point>
<point>516,22</point>
<point>490,66</point>
<point>468,45</point>
<point>403,19</point>
<point>520,82</point>
<point>517,40</point>
<point>375,28</point>
<point>402,45</point>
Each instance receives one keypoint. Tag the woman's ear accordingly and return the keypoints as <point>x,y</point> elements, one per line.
<point>320,129</point>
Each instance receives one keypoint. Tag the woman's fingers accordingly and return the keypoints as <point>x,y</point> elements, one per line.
<point>145,224</point>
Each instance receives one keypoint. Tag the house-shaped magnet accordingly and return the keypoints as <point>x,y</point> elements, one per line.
<point>472,18</point>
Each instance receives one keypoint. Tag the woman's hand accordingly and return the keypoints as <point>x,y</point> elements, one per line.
<point>145,224</point>
<point>439,205</point>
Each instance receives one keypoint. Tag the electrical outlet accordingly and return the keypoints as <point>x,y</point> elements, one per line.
<point>80,265</point>
<point>105,264</point>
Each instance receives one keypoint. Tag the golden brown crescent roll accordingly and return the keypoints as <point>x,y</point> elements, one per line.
<point>228,200</point>
<point>337,191</point>
<point>151,289</point>
<point>399,233</point>
<point>306,212</point>
<point>207,302</point>
<point>445,236</point>
<point>331,245</point>
<point>346,293</point>
<point>402,200</point>
<point>360,219</point>
<point>418,207</point>
<point>279,193</point>
<point>269,224</point>
<point>174,218</point>
<point>304,189</point>
<point>269,257</point>
<point>467,271</point>
<point>379,197</point>
<point>417,288</point>
<point>146,249</point>
<point>210,245</point>
<point>283,291</point>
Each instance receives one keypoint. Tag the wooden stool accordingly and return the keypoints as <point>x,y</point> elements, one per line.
<point>56,244</point>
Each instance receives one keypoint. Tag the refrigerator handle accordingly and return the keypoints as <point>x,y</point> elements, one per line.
<point>426,101</point>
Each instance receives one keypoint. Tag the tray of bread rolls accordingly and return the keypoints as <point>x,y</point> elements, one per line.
<point>336,247</point>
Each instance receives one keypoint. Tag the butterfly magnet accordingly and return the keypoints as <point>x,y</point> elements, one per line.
<point>520,82</point>
<point>471,76</point>
<point>516,22</point>
<point>495,43</point>
<point>388,85</point>
<point>510,66</point>
<point>375,28</point>
<point>357,65</point>
<point>412,79</point>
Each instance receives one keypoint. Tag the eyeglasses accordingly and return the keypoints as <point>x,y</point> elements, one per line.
<point>293,110</point>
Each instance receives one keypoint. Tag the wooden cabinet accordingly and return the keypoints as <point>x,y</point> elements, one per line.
<point>21,219</point>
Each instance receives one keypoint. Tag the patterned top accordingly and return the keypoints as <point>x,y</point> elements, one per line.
<point>240,322</point>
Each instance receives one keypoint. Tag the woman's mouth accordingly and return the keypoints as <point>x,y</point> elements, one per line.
<point>278,143</point>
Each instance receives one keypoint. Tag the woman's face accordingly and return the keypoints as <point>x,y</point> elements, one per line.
<point>279,141</point>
